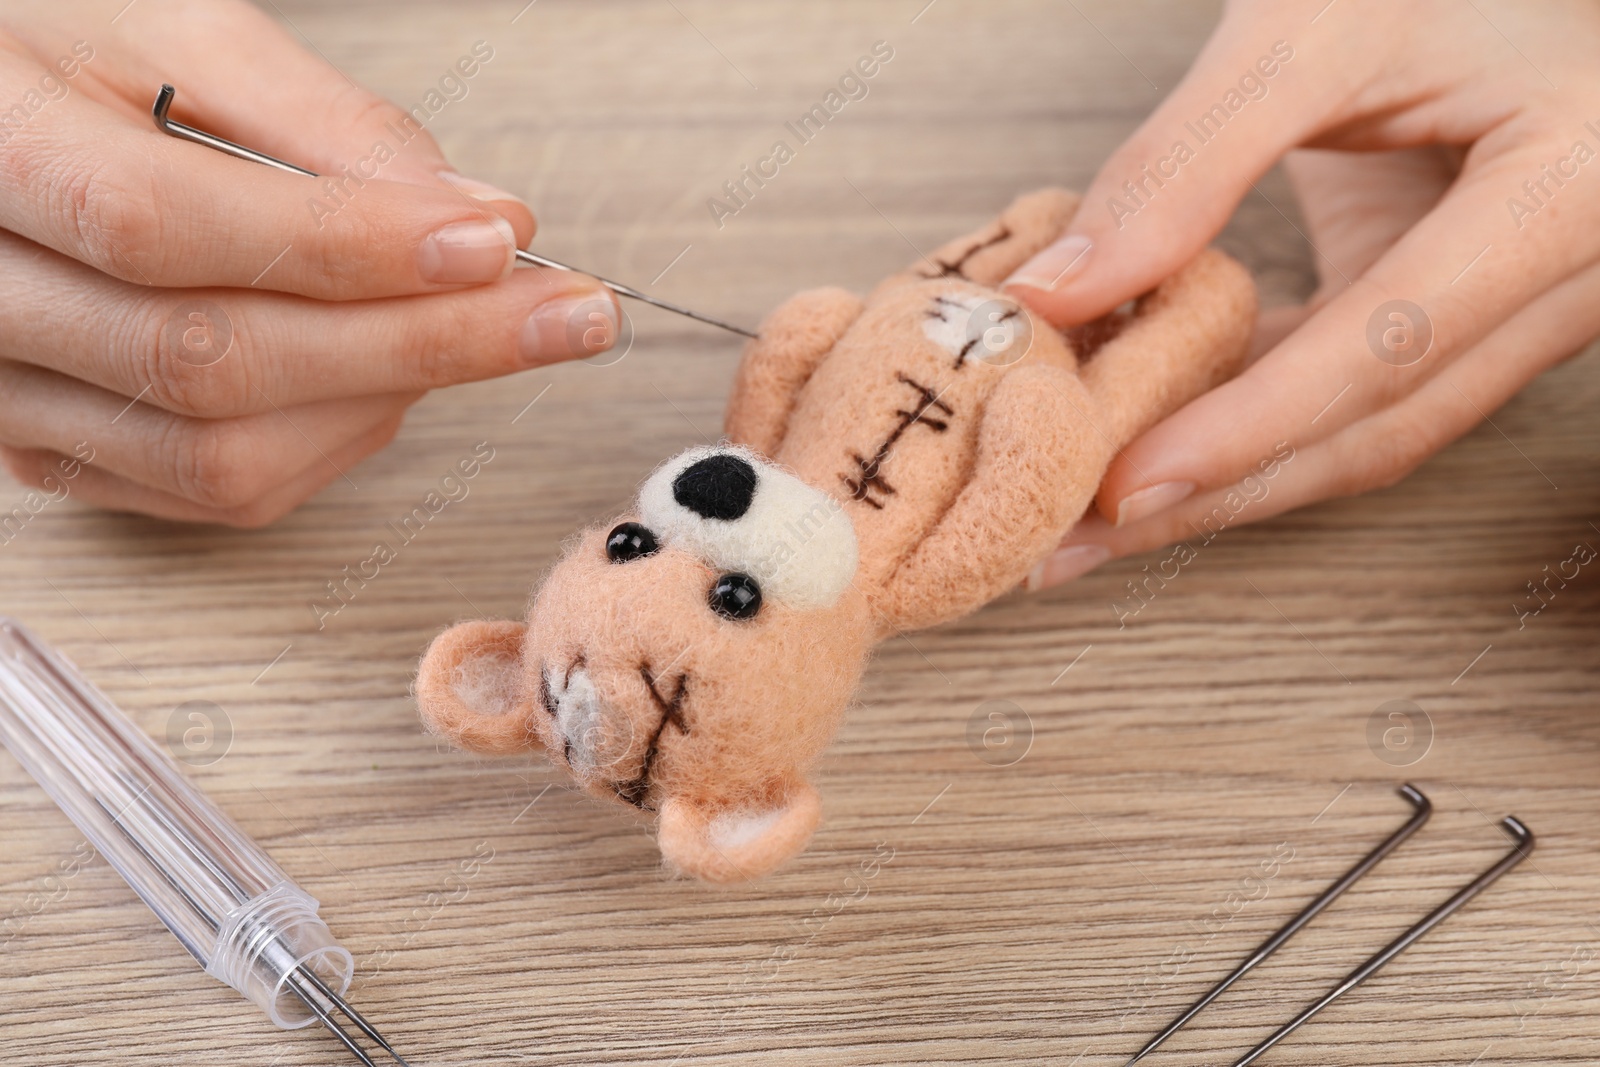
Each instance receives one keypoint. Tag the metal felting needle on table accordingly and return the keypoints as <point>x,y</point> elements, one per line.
<point>1522,844</point>
<point>163,104</point>
<point>1421,809</point>
<point>225,900</point>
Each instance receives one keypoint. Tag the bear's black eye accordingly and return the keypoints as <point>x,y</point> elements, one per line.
<point>736,596</point>
<point>630,541</point>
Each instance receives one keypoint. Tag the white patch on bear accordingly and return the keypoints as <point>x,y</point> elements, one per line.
<point>946,323</point>
<point>579,715</point>
<point>978,327</point>
<point>489,684</point>
<point>735,830</point>
<point>797,542</point>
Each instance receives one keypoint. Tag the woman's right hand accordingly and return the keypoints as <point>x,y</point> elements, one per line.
<point>1450,197</point>
<point>220,339</point>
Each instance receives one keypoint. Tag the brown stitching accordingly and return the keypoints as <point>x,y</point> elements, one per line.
<point>547,698</point>
<point>670,709</point>
<point>961,357</point>
<point>869,480</point>
<point>635,790</point>
<point>939,425</point>
<point>958,268</point>
<point>869,476</point>
<point>930,399</point>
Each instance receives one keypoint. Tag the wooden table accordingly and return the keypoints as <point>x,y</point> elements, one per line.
<point>1054,910</point>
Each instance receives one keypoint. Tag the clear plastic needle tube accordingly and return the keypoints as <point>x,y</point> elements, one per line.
<point>225,900</point>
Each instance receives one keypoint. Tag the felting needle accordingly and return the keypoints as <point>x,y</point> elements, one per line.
<point>167,125</point>
<point>1522,844</point>
<point>1422,808</point>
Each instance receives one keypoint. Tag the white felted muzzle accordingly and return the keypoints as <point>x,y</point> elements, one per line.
<point>794,540</point>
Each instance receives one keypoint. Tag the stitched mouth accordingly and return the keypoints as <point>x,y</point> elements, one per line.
<point>636,790</point>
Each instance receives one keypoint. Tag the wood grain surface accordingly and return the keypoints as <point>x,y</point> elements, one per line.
<point>1168,792</point>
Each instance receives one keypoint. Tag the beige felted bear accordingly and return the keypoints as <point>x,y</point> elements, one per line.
<point>892,464</point>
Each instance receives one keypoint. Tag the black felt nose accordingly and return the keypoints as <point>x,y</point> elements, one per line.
<point>717,487</point>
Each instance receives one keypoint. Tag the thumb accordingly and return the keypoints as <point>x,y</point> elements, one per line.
<point>1172,186</point>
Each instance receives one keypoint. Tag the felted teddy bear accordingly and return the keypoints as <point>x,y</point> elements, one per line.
<point>890,464</point>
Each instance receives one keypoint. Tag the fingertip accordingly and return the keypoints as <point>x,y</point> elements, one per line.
<point>478,190</point>
<point>1134,486</point>
<point>571,324</point>
<point>1057,264</point>
<point>1055,308</point>
<point>508,205</point>
<point>1043,281</point>
<point>1133,228</point>
<point>470,252</point>
<point>1148,501</point>
<point>1066,564</point>
<point>1085,275</point>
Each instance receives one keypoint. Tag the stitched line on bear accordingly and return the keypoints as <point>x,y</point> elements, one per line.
<point>868,476</point>
<point>961,357</point>
<point>636,789</point>
<point>958,269</point>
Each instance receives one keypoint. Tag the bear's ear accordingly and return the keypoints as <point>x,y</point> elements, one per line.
<point>473,691</point>
<point>737,845</point>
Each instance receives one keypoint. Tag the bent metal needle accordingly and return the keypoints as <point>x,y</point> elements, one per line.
<point>1522,842</point>
<point>223,898</point>
<point>163,105</point>
<point>1421,809</point>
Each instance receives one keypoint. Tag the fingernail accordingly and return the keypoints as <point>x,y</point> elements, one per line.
<point>478,251</point>
<point>1148,501</point>
<point>578,325</point>
<point>1065,564</point>
<point>479,190</point>
<point>1054,266</point>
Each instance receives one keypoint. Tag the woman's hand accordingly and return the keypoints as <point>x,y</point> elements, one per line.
<point>221,339</point>
<point>1455,213</point>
